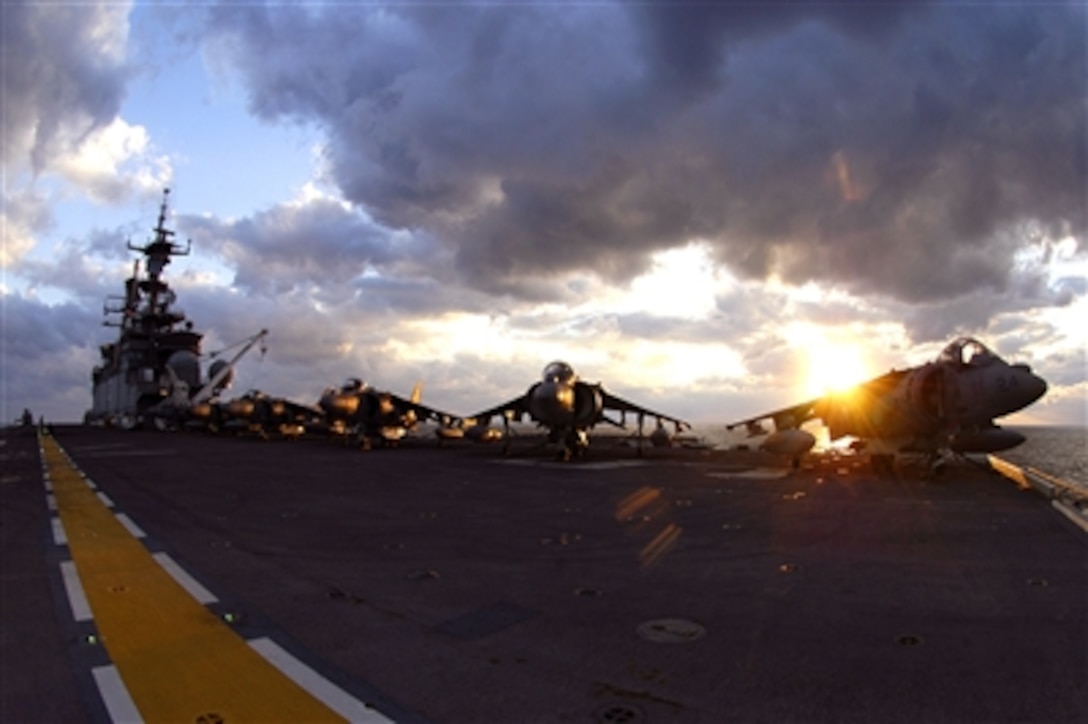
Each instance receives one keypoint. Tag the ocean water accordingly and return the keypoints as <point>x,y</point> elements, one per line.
<point>1058,451</point>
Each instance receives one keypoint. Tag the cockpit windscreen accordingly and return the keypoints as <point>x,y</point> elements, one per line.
<point>558,372</point>
<point>968,352</point>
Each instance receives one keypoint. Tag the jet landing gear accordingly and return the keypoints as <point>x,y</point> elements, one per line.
<point>575,445</point>
<point>937,462</point>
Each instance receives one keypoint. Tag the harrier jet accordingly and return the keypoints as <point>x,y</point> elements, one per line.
<point>569,407</point>
<point>945,406</point>
<point>356,410</point>
<point>267,416</point>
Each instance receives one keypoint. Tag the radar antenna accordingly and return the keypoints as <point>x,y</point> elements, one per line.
<point>159,251</point>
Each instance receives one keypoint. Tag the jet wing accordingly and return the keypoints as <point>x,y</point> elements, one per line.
<point>513,410</point>
<point>611,402</point>
<point>854,401</point>
<point>300,411</point>
<point>422,412</point>
<point>784,419</point>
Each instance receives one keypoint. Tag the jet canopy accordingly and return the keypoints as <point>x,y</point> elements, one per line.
<point>558,372</point>
<point>967,352</point>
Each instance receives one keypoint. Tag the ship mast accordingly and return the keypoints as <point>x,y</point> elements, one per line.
<point>158,253</point>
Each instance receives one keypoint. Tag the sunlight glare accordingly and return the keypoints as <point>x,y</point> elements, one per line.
<point>833,362</point>
<point>834,367</point>
<point>677,364</point>
<point>681,283</point>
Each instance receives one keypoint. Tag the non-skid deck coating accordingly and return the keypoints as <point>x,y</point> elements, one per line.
<point>449,585</point>
<point>177,660</point>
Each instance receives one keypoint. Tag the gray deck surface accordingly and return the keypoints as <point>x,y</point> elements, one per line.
<point>453,585</point>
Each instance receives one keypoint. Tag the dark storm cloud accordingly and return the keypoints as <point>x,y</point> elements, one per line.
<point>60,77</point>
<point>300,335</point>
<point>687,49</point>
<point>313,244</point>
<point>887,149</point>
<point>978,307</point>
<point>33,330</point>
<point>46,358</point>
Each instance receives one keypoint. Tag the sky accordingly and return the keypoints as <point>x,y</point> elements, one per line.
<point>714,209</point>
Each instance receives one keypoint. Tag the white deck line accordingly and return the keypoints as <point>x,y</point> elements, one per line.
<point>115,696</point>
<point>77,599</point>
<point>134,530</point>
<point>1072,514</point>
<point>105,500</point>
<point>60,536</point>
<point>197,591</point>
<point>318,686</point>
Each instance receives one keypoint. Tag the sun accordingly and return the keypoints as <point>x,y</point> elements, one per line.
<point>833,366</point>
<point>830,359</point>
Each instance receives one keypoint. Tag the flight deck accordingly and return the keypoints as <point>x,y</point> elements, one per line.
<point>184,577</point>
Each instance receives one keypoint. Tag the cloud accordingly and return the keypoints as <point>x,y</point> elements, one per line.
<point>23,216</point>
<point>113,162</point>
<point>317,244</point>
<point>887,151</point>
<point>64,76</point>
<point>46,358</point>
<point>36,330</point>
<point>509,174</point>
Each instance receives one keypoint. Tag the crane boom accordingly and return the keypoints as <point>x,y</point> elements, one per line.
<point>208,389</point>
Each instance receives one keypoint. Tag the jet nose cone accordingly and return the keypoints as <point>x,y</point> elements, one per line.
<point>553,402</point>
<point>1035,387</point>
<point>1024,387</point>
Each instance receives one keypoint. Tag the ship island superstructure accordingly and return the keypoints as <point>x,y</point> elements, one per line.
<point>155,360</point>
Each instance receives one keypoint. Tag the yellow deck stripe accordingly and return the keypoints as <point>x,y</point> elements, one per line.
<point>178,661</point>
